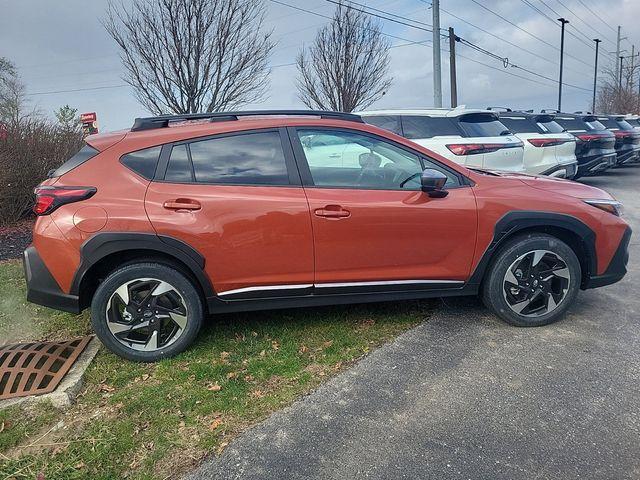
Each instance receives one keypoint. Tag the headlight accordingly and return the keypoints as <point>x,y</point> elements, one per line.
<point>611,206</point>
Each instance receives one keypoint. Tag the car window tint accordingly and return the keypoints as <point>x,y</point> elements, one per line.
<point>245,159</point>
<point>594,125</point>
<point>388,122</point>
<point>608,122</point>
<point>179,169</point>
<point>481,125</point>
<point>86,153</point>
<point>571,124</point>
<point>519,124</point>
<point>415,126</point>
<point>143,162</point>
<point>359,161</point>
<point>551,126</point>
<point>624,125</point>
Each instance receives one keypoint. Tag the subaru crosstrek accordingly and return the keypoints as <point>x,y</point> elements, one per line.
<point>180,216</point>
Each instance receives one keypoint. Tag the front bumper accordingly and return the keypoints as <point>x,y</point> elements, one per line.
<point>42,288</point>
<point>617,268</point>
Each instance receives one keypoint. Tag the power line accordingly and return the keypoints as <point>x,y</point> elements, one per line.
<point>77,90</point>
<point>599,17</point>
<point>337,2</point>
<point>527,32</point>
<point>541,57</point>
<point>584,22</point>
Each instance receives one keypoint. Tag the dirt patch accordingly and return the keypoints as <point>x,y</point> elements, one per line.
<point>15,238</point>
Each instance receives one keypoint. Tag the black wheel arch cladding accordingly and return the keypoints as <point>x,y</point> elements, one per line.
<point>515,222</point>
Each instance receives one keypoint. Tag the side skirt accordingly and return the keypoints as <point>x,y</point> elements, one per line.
<point>217,305</point>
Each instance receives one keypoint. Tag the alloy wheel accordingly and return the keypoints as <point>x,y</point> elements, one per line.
<point>536,283</point>
<point>146,314</point>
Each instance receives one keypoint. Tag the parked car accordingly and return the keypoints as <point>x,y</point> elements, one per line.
<point>634,120</point>
<point>548,149</point>
<point>627,138</point>
<point>595,145</point>
<point>470,137</point>
<point>155,227</point>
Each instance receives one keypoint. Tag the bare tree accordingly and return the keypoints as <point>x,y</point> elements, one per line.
<point>12,94</point>
<point>186,56</point>
<point>347,66</point>
<point>615,96</point>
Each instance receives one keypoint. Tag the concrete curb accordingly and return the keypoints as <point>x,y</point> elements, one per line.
<point>69,387</point>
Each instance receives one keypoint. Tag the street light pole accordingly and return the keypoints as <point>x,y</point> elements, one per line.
<point>563,21</point>
<point>595,76</point>
<point>437,65</point>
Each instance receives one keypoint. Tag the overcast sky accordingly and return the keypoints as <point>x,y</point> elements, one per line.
<point>61,46</point>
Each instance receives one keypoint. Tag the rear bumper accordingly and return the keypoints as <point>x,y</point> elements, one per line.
<point>42,288</point>
<point>617,268</point>
<point>592,165</point>
<point>568,170</point>
<point>628,155</point>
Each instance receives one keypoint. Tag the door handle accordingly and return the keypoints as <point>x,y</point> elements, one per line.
<point>332,211</point>
<point>182,204</point>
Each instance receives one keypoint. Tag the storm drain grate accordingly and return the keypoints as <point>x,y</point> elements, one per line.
<point>36,368</point>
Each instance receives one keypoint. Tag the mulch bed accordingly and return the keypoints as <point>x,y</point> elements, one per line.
<point>15,238</point>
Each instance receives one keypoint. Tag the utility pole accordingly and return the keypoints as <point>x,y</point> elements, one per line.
<point>437,66</point>
<point>452,68</point>
<point>563,21</point>
<point>618,45</point>
<point>595,76</point>
<point>620,76</point>
<point>631,71</point>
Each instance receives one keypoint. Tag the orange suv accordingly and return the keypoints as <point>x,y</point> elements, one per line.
<point>180,216</point>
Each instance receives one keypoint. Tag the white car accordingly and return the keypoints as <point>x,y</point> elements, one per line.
<point>470,137</point>
<point>548,148</point>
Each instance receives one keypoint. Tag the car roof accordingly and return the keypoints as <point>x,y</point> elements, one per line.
<point>429,112</point>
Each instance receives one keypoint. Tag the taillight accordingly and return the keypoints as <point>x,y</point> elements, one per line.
<point>474,148</point>
<point>548,142</point>
<point>587,137</point>
<point>49,198</point>
<point>623,133</point>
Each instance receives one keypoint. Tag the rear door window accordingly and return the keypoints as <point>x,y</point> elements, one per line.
<point>482,125</point>
<point>86,153</point>
<point>418,126</point>
<point>624,125</point>
<point>594,124</point>
<point>548,125</point>
<point>242,159</point>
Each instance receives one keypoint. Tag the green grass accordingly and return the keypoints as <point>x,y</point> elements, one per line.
<point>156,420</point>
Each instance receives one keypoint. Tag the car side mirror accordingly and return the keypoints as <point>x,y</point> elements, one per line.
<point>433,182</point>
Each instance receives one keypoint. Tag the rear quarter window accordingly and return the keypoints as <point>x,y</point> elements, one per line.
<point>143,162</point>
<point>86,153</point>
<point>388,122</point>
<point>571,124</point>
<point>519,124</point>
<point>415,126</point>
<point>481,125</point>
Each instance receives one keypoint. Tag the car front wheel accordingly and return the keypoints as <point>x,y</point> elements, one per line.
<point>146,311</point>
<point>533,281</point>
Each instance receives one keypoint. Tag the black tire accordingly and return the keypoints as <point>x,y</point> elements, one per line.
<point>496,291</point>
<point>183,290</point>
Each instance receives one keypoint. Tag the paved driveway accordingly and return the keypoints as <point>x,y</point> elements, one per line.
<point>464,396</point>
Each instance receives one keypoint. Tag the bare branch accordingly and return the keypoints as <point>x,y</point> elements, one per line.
<point>186,56</point>
<point>347,66</point>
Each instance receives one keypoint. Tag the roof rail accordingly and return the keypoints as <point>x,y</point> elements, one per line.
<point>502,109</point>
<point>549,110</point>
<point>580,112</point>
<point>163,121</point>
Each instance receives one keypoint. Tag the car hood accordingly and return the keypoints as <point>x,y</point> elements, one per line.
<point>558,185</point>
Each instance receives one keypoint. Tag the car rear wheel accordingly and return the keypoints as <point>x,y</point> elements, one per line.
<point>533,281</point>
<point>146,311</point>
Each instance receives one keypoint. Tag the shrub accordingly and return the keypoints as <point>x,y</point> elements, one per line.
<point>27,152</point>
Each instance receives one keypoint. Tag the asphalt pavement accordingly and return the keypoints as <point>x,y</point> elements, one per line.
<point>465,396</point>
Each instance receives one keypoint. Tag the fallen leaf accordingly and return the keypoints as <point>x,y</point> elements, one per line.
<point>255,334</point>
<point>221,447</point>
<point>214,388</point>
<point>215,424</point>
<point>248,378</point>
<point>79,465</point>
<point>303,348</point>
<point>257,394</point>
<point>232,375</point>
<point>224,355</point>
<point>145,376</point>
<point>263,353</point>
<point>327,344</point>
<point>275,345</point>
<point>105,388</point>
